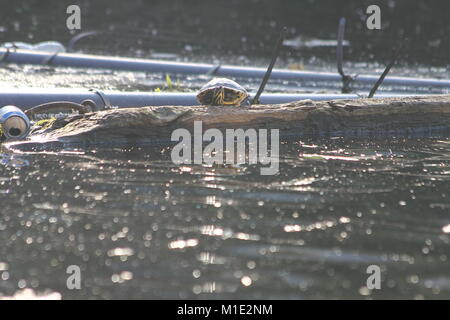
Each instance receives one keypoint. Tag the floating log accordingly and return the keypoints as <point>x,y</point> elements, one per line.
<point>412,116</point>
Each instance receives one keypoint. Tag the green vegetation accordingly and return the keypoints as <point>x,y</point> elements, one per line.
<point>169,82</point>
<point>45,123</point>
<point>170,86</point>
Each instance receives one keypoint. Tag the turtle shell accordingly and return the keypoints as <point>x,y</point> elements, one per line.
<point>222,91</point>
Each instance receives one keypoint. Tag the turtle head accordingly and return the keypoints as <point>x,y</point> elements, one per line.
<point>218,96</point>
<point>230,96</point>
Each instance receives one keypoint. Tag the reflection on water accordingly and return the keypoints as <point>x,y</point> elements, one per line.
<point>139,226</point>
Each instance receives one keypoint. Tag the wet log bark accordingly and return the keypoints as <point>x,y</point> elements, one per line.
<point>356,117</point>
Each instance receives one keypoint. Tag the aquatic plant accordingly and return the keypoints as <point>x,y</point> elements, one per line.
<point>45,123</point>
<point>170,86</point>
<point>169,82</point>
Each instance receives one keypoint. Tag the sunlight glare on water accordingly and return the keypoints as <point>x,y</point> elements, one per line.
<point>140,227</point>
<point>133,220</point>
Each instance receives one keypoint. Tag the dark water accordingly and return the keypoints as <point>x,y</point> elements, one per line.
<point>215,28</point>
<point>139,226</point>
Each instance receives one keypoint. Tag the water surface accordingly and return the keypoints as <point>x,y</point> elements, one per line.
<point>139,226</point>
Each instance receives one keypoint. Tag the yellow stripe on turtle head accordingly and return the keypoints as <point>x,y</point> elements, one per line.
<point>219,96</point>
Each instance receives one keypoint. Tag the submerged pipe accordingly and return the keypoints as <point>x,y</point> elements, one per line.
<point>28,98</point>
<point>146,65</point>
<point>15,124</point>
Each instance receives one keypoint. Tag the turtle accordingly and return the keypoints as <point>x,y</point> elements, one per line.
<point>222,91</point>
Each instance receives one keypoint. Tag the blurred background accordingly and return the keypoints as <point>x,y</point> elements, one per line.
<point>239,28</point>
